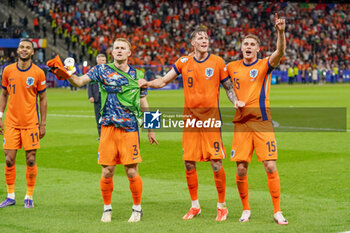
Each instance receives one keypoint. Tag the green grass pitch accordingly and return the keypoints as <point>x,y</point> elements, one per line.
<point>313,167</point>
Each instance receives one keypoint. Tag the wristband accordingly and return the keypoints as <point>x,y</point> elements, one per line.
<point>1,114</point>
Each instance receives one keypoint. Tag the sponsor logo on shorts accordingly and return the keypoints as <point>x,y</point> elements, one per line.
<point>98,156</point>
<point>34,144</point>
<point>270,154</point>
<point>233,153</point>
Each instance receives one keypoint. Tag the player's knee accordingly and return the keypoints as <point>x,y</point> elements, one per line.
<point>270,167</point>
<point>241,171</point>
<point>10,162</point>
<point>216,167</point>
<point>107,173</point>
<point>131,173</point>
<point>189,166</point>
<point>31,161</point>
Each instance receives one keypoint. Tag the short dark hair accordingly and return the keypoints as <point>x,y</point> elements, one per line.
<point>201,28</point>
<point>27,40</point>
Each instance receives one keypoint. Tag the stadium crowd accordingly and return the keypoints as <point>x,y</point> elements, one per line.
<point>317,34</point>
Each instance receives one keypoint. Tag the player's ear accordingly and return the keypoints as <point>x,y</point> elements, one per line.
<point>192,42</point>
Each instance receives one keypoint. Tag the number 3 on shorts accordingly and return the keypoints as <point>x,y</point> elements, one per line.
<point>136,152</point>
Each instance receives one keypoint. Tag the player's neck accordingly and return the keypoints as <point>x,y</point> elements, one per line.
<point>200,56</point>
<point>122,65</point>
<point>249,61</point>
<point>24,64</point>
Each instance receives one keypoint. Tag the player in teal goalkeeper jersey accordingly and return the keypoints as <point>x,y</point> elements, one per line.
<point>122,101</point>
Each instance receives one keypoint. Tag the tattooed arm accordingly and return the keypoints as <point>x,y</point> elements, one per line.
<point>231,94</point>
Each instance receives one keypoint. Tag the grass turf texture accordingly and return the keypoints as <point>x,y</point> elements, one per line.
<point>313,167</point>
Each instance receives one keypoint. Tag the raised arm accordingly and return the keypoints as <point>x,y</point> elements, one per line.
<point>144,107</point>
<point>280,25</point>
<point>228,86</point>
<point>160,82</point>
<point>77,81</point>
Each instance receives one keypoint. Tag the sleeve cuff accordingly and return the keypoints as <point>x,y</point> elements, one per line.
<point>42,91</point>
<point>225,79</point>
<point>176,70</point>
<point>3,87</point>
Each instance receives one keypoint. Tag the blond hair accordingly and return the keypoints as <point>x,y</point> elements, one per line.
<point>256,38</point>
<point>123,40</point>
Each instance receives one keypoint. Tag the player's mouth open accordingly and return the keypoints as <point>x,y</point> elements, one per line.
<point>248,52</point>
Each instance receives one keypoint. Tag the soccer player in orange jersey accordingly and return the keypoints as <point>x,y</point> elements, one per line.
<point>202,74</point>
<point>253,125</point>
<point>22,82</point>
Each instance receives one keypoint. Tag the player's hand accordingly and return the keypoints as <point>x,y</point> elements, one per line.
<point>280,24</point>
<point>143,83</point>
<point>91,99</point>
<point>42,131</point>
<point>152,137</point>
<point>56,67</point>
<point>1,127</point>
<point>239,104</point>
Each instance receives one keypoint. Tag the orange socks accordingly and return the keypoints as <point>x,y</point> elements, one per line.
<point>192,183</point>
<point>242,185</point>
<point>220,182</point>
<point>10,177</point>
<point>106,185</point>
<point>136,189</point>
<point>31,178</point>
<point>273,181</point>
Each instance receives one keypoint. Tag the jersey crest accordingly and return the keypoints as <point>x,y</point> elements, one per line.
<point>253,74</point>
<point>30,81</point>
<point>209,72</point>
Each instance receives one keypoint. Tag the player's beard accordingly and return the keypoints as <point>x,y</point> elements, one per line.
<point>27,58</point>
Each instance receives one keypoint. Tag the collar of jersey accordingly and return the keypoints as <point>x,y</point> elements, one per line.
<point>257,59</point>
<point>25,69</point>
<point>203,60</point>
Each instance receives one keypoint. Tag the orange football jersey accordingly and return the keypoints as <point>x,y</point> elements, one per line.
<point>252,85</point>
<point>201,80</point>
<point>23,87</point>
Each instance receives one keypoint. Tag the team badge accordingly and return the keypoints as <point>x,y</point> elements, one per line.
<point>30,81</point>
<point>253,73</point>
<point>184,59</point>
<point>209,72</point>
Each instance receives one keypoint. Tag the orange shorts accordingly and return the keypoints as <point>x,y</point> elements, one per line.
<point>15,138</point>
<point>118,146</point>
<point>253,135</point>
<point>202,145</point>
